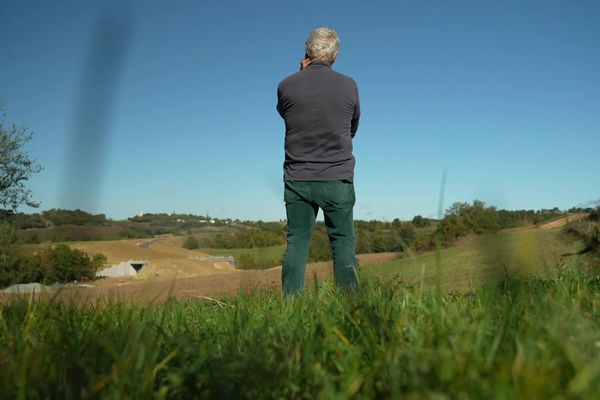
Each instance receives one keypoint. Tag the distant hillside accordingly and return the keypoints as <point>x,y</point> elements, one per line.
<point>460,219</point>
<point>58,225</point>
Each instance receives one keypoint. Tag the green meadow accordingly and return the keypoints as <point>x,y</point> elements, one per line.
<point>251,258</point>
<point>506,316</point>
<point>482,259</point>
<point>272,252</point>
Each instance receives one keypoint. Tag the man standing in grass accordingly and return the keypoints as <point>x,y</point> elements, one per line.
<point>321,110</point>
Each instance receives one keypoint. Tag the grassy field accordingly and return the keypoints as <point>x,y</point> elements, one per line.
<point>253,258</point>
<point>520,337</point>
<point>273,252</point>
<point>482,259</point>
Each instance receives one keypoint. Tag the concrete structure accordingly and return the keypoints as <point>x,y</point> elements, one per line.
<point>227,259</point>
<point>126,268</point>
<point>22,288</point>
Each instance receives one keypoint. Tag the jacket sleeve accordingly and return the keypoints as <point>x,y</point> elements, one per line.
<point>356,115</point>
<point>279,101</point>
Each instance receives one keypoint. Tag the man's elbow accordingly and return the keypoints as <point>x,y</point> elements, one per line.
<point>353,129</point>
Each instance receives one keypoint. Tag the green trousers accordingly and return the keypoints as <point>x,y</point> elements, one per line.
<point>302,202</point>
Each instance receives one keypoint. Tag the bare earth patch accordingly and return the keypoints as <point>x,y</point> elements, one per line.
<point>167,258</point>
<point>557,223</point>
<point>228,282</point>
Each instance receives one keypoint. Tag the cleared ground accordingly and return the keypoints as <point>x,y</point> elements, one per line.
<point>167,258</point>
<point>185,274</point>
<point>201,287</point>
<point>463,267</point>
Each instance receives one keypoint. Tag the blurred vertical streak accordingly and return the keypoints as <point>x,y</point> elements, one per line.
<point>90,133</point>
<point>438,242</point>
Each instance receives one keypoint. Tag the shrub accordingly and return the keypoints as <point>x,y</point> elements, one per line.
<point>52,264</point>
<point>62,264</point>
<point>595,214</point>
<point>425,243</point>
<point>9,259</point>
<point>379,236</point>
<point>319,249</point>
<point>133,232</point>
<point>464,218</point>
<point>406,234</point>
<point>247,260</point>
<point>191,243</point>
<point>420,222</point>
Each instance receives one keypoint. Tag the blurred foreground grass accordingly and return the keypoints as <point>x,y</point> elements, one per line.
<point>532,331</point>
<point>519,338</point>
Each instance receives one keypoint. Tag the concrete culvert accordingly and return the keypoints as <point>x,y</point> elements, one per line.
<point>127,268</point>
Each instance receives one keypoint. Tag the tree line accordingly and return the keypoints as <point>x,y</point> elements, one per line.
<point>463,218</point>
<point>372,237</point>
<point>460,219</point>
<point>260,235</point>
<point>55,217</point>
<point>179,221</point>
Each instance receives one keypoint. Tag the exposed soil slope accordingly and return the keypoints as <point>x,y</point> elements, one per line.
<point>166,256</point>
<point>198,287</point>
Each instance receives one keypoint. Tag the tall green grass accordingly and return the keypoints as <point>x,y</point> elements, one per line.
<point>483,259</point>
<point>253,258</point>
<point>274,252</point>
<point>517,338</point>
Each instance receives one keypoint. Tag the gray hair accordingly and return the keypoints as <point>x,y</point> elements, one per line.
<point>323,43</point>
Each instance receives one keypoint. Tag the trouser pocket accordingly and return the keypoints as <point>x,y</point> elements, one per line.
<point>338,194</point>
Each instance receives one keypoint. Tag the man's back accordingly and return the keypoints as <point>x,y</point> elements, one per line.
<point>321,111</point>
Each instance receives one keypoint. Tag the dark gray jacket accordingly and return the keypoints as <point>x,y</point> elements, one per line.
<point>321,111</point>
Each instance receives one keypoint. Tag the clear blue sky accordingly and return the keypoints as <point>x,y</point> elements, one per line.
<point>503,95</point>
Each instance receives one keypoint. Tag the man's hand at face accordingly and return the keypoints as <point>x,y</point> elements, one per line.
<point>305,63</point>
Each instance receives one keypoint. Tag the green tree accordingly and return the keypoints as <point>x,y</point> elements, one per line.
<point>9,258</point>
<point>53,264</point>
<point>406,234</point>
<point>16,167</point>
<point>420,222</point>
<point>595,214</point>
<point>61,264</point>
<point>463,218</point>
<point>364,241</point>
<point>191,243</point>
<point>382,241</point>
<point>60,217</point>
<point>246,261</point>
<point>319,249</point>
<point>452,227</point>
